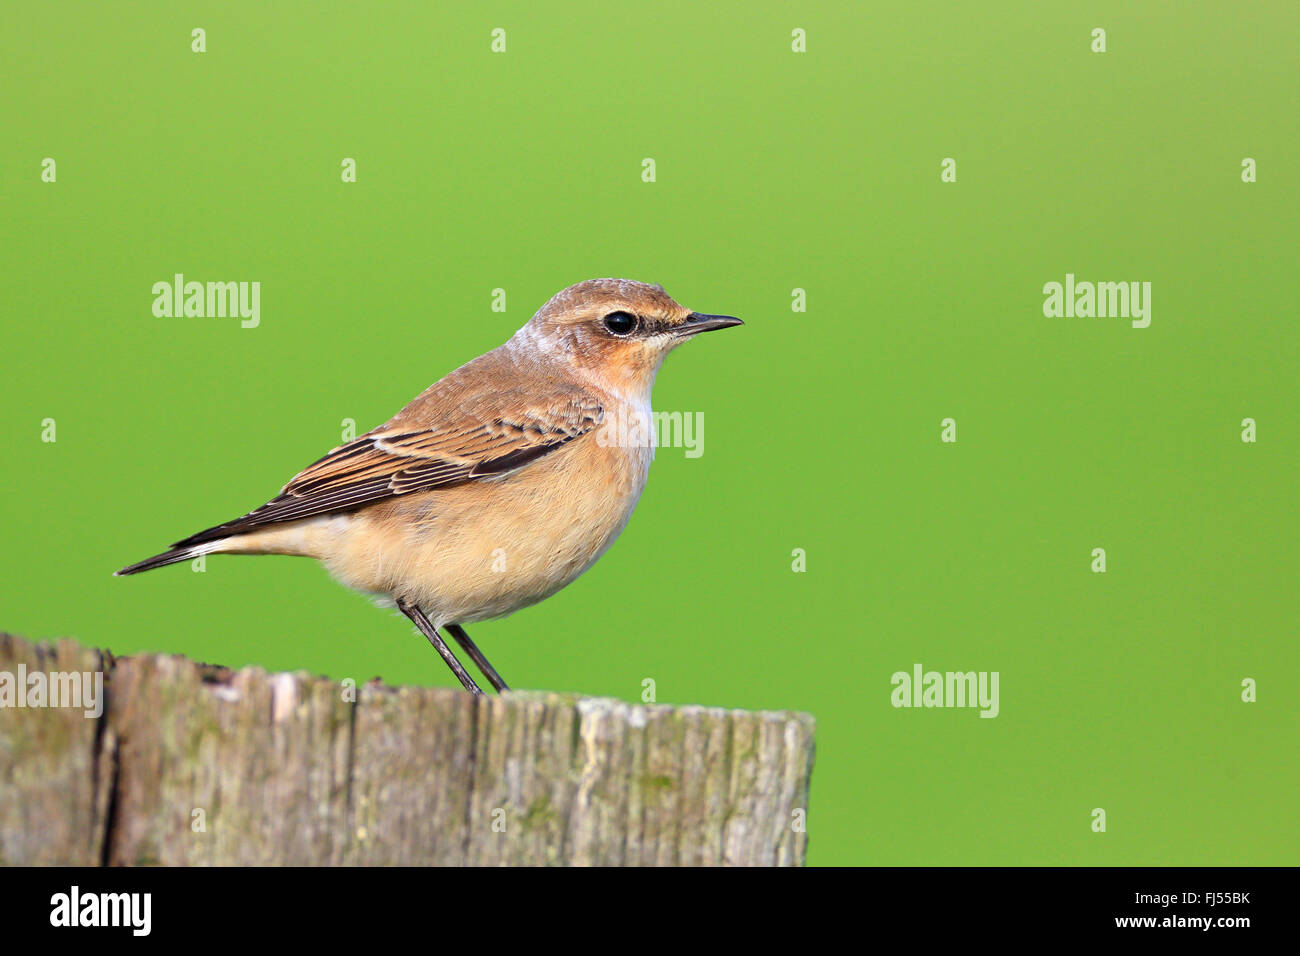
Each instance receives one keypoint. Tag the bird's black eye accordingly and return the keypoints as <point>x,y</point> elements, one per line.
<point>621,323</point>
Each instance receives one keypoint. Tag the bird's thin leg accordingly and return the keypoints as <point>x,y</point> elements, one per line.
<point>431,632</point>
<point>481,662</point>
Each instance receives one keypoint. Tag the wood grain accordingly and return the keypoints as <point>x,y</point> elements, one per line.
<point>192,764</point>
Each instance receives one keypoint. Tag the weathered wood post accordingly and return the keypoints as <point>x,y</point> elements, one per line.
<point>196,764</point>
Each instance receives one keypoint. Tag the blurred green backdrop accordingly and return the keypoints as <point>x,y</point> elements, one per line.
<point>776,170</point>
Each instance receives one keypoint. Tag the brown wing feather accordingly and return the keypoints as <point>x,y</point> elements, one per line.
<point>490,435</point>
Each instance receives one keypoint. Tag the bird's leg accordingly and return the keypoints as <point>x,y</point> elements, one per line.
<point>481,662</point>
<point>431,632</point>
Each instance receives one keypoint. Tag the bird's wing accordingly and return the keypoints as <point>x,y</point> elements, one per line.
<point>486,435</point>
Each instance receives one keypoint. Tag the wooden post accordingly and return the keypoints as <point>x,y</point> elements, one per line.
<point>196,764</point>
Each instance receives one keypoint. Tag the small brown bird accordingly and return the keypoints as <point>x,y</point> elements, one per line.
<point>497,486</point>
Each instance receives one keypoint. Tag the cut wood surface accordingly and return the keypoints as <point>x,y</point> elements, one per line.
<point>196,764</point>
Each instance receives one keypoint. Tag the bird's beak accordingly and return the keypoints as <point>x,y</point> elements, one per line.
<point>698,322</point>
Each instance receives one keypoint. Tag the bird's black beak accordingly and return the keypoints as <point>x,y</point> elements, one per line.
<point>698,322</point>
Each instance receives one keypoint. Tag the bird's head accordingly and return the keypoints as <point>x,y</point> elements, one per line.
<point>616,330</point>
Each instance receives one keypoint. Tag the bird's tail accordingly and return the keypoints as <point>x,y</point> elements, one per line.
<point>171,556</point>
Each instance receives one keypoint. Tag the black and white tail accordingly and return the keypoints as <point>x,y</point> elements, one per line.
<point>173,555</point>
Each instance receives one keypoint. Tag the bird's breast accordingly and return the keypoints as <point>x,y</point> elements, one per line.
<point>487,548</point>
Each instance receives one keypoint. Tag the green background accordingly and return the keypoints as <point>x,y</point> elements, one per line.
<point>775,170</point>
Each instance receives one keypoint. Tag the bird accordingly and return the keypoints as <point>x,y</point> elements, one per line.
<point>498,485</point>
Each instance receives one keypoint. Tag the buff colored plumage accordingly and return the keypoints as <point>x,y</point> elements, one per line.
<point>498,485</point>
